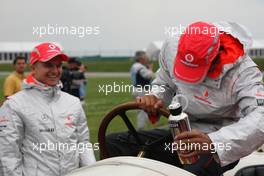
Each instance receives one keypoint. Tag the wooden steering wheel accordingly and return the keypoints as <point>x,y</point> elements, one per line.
<point>120,110</point>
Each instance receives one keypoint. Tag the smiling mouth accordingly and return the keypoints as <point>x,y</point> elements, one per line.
<point>52,77</point>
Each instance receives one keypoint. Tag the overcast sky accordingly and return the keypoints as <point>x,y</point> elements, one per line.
<point>121,25</point>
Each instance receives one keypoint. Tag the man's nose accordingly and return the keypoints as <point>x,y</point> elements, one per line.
<point>55,69</point>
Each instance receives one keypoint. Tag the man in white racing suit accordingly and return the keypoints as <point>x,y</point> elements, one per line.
<point>43,131</point>
<point>208,69</point>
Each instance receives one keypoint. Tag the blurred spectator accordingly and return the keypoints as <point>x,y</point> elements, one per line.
<point>13,82</point>
<point>72,78</point>
<point>66,79</point>
<point>141,75</point>
<point>82,89</point>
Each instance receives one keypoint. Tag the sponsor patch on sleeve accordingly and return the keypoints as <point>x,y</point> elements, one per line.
<point>260,102</point>
<point>3,124</point>
<point>3,120</point>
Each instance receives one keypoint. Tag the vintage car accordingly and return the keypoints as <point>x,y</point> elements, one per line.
<point>252,165</point>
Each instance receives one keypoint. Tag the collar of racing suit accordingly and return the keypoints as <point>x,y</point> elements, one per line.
<point>229,56</point>
<point>49,91</point>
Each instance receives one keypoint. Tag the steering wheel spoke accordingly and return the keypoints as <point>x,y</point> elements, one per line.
<point>130,127</point>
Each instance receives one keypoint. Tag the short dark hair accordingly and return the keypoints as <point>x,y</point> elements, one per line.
<point>139,54</point>
<point>19,58</point>
<point>74,60</point>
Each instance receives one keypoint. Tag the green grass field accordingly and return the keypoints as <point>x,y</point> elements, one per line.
<point>93,66</point>
<point>115,65</point>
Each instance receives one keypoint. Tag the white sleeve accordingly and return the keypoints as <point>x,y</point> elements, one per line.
<point>11,136</point>
<point>245,136</point>
<point>146,73</point>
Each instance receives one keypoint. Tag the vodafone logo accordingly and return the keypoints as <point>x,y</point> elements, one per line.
<point>189,58</point>
<point>51,46</point>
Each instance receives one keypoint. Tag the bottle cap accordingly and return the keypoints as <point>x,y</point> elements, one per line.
<point>175,109</point>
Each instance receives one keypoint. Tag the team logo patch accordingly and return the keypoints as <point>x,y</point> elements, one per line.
<point>3,120</point>
<point>48,130</point>
<point>69,121</point>
<point>260,102</point>
<point>45,117</point>
<point>51,46</point>
<point>259,94</point>
<point>45,126</point>
<point>189,58</point>
<point>2,127</point>
<point>204,98</point>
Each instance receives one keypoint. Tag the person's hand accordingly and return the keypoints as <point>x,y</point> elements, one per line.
<point>194,142</point>
<point>150,103</point>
